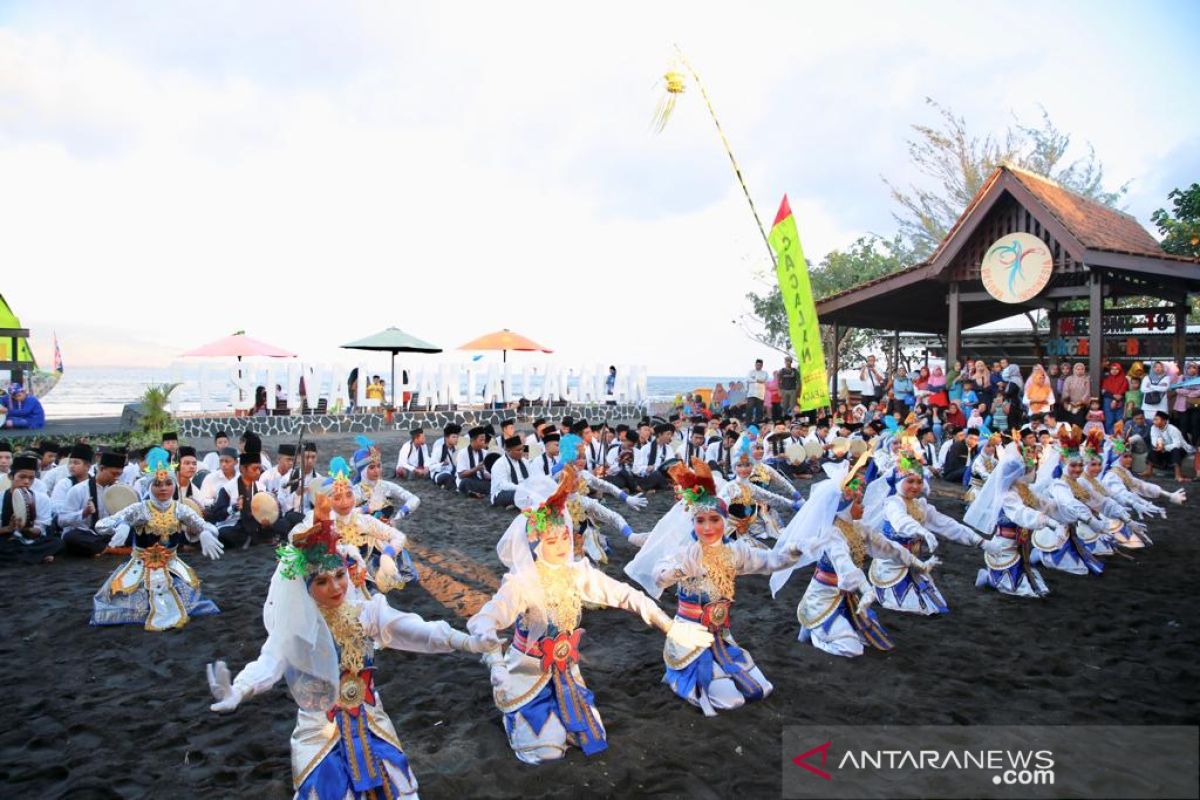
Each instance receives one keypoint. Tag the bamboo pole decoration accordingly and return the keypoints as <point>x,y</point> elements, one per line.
<point>663,112</point>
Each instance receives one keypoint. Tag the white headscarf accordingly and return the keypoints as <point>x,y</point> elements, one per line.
<point>298,636</point>
<point>516,553</point>
<point>670,533</point>
<point>984,511</point>
<point>809,529</point>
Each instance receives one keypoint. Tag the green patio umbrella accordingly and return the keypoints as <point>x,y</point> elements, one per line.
<point>393,340</point>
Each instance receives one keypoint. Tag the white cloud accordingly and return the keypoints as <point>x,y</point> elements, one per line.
<point>172,176</point>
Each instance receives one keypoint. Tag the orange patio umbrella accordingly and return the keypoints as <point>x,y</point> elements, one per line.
<point>504,341</point>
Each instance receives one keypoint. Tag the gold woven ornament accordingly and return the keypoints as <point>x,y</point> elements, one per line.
<point>718,569</point>
<point>348,633</point>
<point>563,604</point>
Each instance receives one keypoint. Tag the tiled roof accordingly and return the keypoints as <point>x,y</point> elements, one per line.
<point>1095,225</point>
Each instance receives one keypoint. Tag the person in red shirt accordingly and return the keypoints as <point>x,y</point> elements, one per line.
<point>1112,395</point>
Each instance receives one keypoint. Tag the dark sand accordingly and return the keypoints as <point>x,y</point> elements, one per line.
<point>120,712</point>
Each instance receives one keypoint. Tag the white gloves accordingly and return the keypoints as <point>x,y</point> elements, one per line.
<point>926,566</point>
<point>478,643</point>
<point>120,536</point>
<point>689,635</point>
<point>638,539</point>
<point>210,545</point>
<point>636,501</point>
<point>499,677</point>
<point>995,544</point>
<point>228,696</point>
<point>930,540</point>
<point>388,573</point>
<point>1178,497</point>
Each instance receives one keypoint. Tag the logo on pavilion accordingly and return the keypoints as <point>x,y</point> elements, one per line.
<point>1016,267</point>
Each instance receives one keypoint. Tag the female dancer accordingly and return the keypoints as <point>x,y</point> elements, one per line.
<point>693,553</point>
<point>835,613</point>
<point>537,684</point>
<point>1008,505</point>
<point>322,635</point>
<point>909,519</point>
<point>155,587</point>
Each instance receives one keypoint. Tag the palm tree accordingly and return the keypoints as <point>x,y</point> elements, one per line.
<point>155,414</point>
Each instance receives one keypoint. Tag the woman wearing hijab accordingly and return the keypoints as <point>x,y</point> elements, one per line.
<point>1112,395</point>
<point>1039,394</point>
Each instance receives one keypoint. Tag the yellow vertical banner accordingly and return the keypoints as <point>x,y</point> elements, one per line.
<point>792,271</point>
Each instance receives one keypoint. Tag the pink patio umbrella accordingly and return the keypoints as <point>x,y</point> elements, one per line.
<point>238,345</point>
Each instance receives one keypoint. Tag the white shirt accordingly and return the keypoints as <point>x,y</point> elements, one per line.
<point>644,460</point>
<point>469,459</point>
<point>435,453</point>
<point>507,475</point>
<point>941,454</point>
<point>1169,437</point>
<point>411,457</point>
<point>756,384</point>
<point>212,485</point>
<point>130,475</point>
<point>544,464</point>
<point>211,462</point>
<point>70,511</point>
<point>1153,383</point>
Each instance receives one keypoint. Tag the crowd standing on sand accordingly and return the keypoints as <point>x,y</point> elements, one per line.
<point>1044,491</point>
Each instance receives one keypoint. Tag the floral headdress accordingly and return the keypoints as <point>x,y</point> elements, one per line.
<point>550,513</point>
<point>1069,442</point>
<point>313,551</point>
<point>1094,445</point>
<point>339,474</point>
<point>695,486</point>
<point>854,485</point>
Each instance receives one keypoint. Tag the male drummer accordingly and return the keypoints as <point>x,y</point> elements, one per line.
<point>25,518</point>
<point>84,506</point>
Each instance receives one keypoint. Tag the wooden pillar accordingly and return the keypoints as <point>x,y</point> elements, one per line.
<point>837,361</point>
<point>1095,329</point>
<point>954,331</point>
<point>1180,344</point>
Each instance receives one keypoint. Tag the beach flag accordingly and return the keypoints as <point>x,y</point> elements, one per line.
<point>58,365</point>
<point>792,272</point>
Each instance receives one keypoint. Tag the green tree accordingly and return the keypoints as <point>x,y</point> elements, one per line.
<point>957,162</point>
<point>156,416</point>
<point>1180,227</point>
<point>867,258</point>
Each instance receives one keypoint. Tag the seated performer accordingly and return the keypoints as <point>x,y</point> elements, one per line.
<point>225,475</point>
<point>444,457</point>
<point>386,564</point>
<point>187,488</point>
<point>835,613</point>
<point>155,587</point>
<point>83,507</point>
<point>233,512</point>
<point>1008,505</point>
<point>1135,493</point>
<point>537,684</point>
<point>654,458</point>
<point>544,465</point>
<point>414,459</point>
<point>587,513</point>
<point>381,499</point>
<point>508,472</point>
<point>693,553</point>
<point>621,458</point>
<point>910,520</point>
<point>1086,533</point>
<point>24,411</point>
<point>322,636</point>
<point>25,518</point>
<point>212,461</point>
<point>78,469</point>
<point>474,479</point>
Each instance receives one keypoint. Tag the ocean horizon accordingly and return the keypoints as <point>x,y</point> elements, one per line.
<point>104,391</point>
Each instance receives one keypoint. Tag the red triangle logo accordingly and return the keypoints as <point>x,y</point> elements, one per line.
<point>802,760</point>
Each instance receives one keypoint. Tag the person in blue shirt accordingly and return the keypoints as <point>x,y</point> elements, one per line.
<point>24,410</point>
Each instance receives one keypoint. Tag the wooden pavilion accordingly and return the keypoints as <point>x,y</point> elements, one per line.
<point>1099,254</point>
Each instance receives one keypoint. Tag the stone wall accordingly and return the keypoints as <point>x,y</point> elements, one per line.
<point>200,428</point>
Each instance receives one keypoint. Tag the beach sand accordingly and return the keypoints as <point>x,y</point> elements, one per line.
<point>120,712</point>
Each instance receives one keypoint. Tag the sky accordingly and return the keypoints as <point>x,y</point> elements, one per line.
<point>171,172</point>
